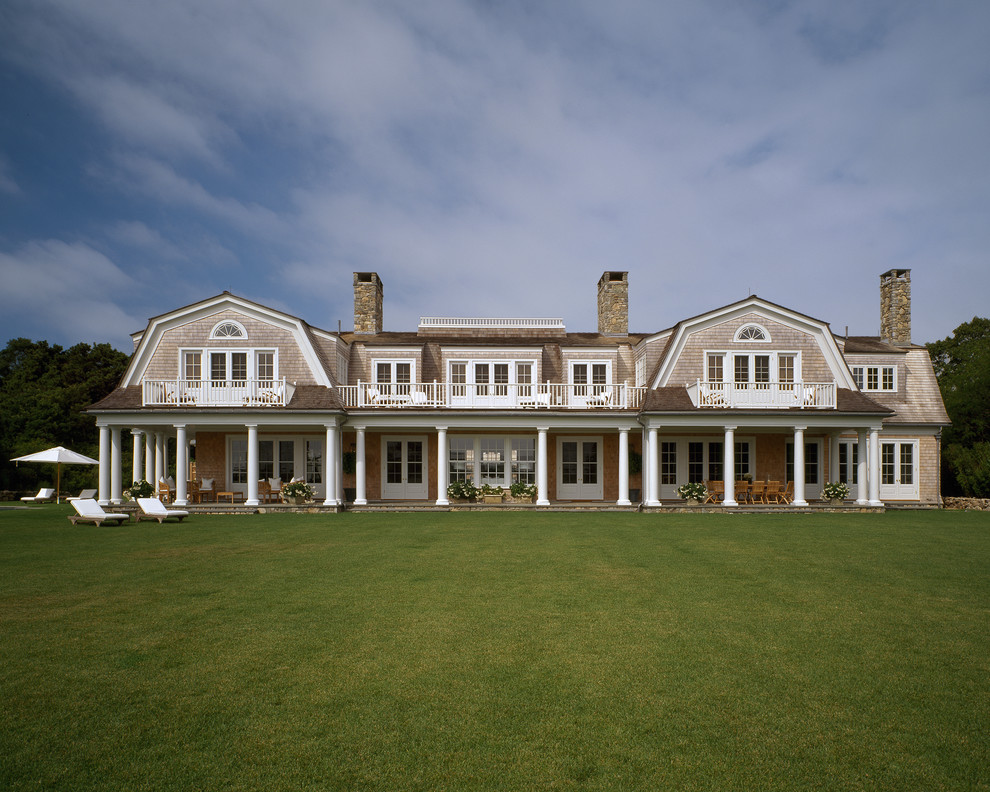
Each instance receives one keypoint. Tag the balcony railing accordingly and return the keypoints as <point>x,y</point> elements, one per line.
<point>769,395</point>
<point>217,393</point>
<point>507,396</point>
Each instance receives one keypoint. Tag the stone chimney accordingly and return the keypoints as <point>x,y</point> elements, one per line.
<point>613,304</point>
<point>895,307</point>
<point>368,295</point>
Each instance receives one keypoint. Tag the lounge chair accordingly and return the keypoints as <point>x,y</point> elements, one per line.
<point>84,495</point>
<point>89,511</point>
<point>43,496</point>
<point>154,509</point>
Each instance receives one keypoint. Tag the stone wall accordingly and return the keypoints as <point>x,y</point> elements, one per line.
<point>613,303</point>
<point>895,307</point>
<point>968,504</point>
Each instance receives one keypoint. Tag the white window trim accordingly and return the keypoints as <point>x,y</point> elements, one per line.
<point>470,363</point>
<point>879,367</point>
<point>592,362</point>
<point>375,362</point>
<point>475,442</point>
<point>729,368</point>
<point>766,335</point>
<point>299,460</point>
<point>597,490</point>
<point>243,332</point>
<point>204,360</point>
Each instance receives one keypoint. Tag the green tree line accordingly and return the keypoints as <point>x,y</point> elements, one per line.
<point>44,391</point>
<point>962,365</point>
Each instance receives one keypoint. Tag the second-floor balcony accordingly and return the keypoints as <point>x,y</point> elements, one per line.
<point>217,393</point>
<point>768,395</point>
<point>491,396</point>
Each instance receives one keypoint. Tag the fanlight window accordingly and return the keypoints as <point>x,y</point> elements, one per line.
<point>752,333</point>
<point>228,329</point>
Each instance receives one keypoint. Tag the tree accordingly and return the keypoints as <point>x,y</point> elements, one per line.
<point>44,391</point>
<point>962,366</point>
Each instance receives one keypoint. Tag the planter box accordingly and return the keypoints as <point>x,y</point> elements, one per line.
<point>492,498</point>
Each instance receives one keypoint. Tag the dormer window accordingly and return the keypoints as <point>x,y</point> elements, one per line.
<point>752,332</point>
<point>228,329</point>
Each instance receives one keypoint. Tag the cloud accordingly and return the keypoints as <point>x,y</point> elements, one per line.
<point>66,292</point>
<point>7,183</point>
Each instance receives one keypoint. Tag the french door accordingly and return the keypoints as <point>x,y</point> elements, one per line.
<point>899,470</point>
<point>579,468</point>
<point>404,468</point>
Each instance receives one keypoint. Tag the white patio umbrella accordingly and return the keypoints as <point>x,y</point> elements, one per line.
<point>58,456</point>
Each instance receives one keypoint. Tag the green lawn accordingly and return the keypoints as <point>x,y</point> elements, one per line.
<point>509,651</point>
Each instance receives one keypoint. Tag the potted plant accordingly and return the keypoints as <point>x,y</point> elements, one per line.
<point>462,491</point>
<point>296,492</point>
<point>835,492</point>
<point>693,492</point>
<point>523,492</point>
<point>491,494</point>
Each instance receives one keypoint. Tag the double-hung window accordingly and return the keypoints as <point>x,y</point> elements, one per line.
<point>875,378</point>
<point>595,375</point>
<point>394,377</point>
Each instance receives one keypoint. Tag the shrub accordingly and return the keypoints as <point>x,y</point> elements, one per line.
<point>520,490</point>
<point>835,490</point>
<point>297,489</point>
<point>695,490</point>
<point>462,490</point>
<point>140,489</point>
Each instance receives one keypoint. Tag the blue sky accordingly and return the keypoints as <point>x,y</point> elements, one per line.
<point>490,158</point>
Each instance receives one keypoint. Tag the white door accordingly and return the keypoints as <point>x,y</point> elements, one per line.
<point>404,471</point>
<point>579,468</point>
<point>898,470</point>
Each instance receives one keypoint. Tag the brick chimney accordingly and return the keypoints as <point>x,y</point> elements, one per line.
<point>368,294</point>
<point>613,304</point>
<point>895,307</point>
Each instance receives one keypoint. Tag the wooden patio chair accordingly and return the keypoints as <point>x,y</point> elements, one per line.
<point>716,491</point>
<point>786,495</point>
<point>164,492</point>
<point>758,493</point>
<point>773,488</point>
<point>742,492</point>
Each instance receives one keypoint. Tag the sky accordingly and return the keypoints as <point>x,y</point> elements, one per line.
<point>491,159</point>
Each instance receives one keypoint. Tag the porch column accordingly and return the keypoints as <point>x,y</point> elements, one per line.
<point>253,466</point>
<point>623,469</point>
<point>874,477</point>
<point>442,466</point>
<point>115,473</point>
<point>181,465</point>
<point>136,455</point>
<point>799,466</point>
<point>653,496</point>
<point>361,498</point>
<point>339,494</point>
<point>333,451</point>
<point>149,457</point>
<point>159,459</point>
<point>542,492</point>
<point>862,455</point>
<point>104,493</point>
<point>729,466</point>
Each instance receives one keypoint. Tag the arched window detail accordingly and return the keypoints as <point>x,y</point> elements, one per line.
<point>228,329</point>
<point>752,332</point>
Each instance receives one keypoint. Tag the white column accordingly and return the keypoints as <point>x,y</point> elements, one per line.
<point>330,464</point>
<point>340,467</point>
<point>104,493</point>
<point>875,468</point>
<point>136,446</point>
<point>181,465</point>
<point>799,466</point>
<point>149,457</point>
<point>253,466</point>
<point>542,463</point>
<point>165,454</point>
<point>116,496</point>
<point>159,459</point>
<point>442,466</point>
<point>644,472</point>
<point>861,475</point>
<point>623,469</point>
<point>653,491</point>
<point>362,495</point>
<point>729,466</point>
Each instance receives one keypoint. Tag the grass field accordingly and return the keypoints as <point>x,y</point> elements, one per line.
<point>509,651</point>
